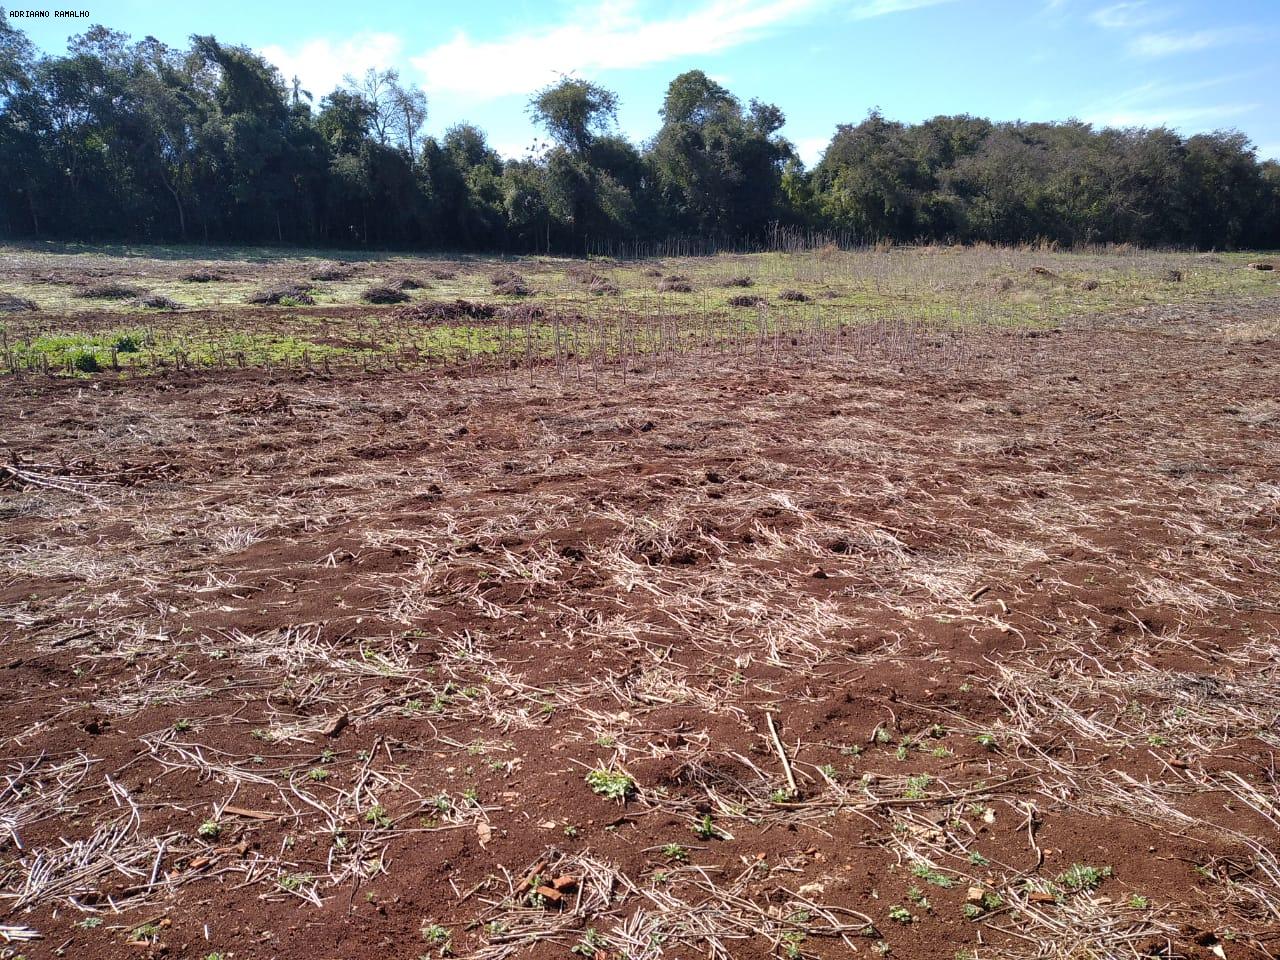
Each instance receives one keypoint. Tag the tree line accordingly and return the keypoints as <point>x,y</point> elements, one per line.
<point>120,140</point>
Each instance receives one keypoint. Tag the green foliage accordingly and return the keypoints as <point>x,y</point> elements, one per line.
<point>575,111</point>
<point>705,828</point>
<point>917,786</point>
<point>438,937</point>
<point>591,943</point>
<point>1082,876</point>
<point>147,933</point>
<point>675,851</point>
<point>135,140</point>
<point>929,875</point>
<point>611,784</point>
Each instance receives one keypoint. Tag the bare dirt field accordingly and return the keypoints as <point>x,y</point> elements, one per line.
<point>909,646</point>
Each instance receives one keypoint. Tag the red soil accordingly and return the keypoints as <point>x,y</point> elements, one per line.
<point>476,588</point>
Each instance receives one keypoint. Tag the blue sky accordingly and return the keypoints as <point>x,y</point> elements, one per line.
<point>1192,65</point>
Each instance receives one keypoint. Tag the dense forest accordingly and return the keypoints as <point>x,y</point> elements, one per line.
<point>136,141</point>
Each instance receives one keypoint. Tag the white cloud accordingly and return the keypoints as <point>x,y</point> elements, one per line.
<point>320,64</point>
<point>1156,104</point>
<point>1200,118</point>
<point>1167,44</point>
<point>608,35</point>
<point>1126,16</point>
<point>811,148</point>
<point>866,9</point>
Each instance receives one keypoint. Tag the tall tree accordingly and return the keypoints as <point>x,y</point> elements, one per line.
<point>718,165</point>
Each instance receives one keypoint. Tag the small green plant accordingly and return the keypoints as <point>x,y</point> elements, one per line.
<point>900,914</point>
<point>917,786</point>
<point>1157,740</point>
<point>533,898</point>
<point>439,937</point>
<point>1139,902</point>
<point>85,362</point>
<point>705,829</point>
<point>127,343</point>
<point>611,784</point>
<point>882,735</point>
<point>591,943</point>
<point>916,896</point>
<point>1082,876</point>
<point>318,774</point>
<point>147,933</point>
<point>378,816</point>
<point>182,726</point>
<point>89,923</point>
<point>929,875</point>
<point>570,830</point>
<point>986,740</point>
<point>209,830</point>
<point>676,852</point>
<point>977,859</point>
<point>293,881</point>
<point>971,911</point>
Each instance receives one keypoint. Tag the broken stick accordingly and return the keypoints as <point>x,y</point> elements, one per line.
<point>782,755</point>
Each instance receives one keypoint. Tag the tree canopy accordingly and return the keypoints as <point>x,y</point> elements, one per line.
<point>133,140</point>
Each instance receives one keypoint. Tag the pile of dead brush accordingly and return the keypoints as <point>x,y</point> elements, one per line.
<point>12,304</point>
<point>293,293</point>
<point>109,290</point>
<point>406,283</point>
<point>156,301</point>
<point>83,476</point>
<point>202,275</point>
<point>508,283</point>
<point>333,271</point>
<point>436,311</point>
<point>380,293</point>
